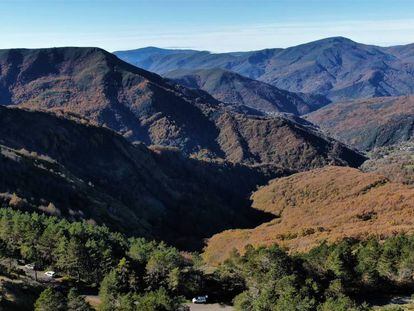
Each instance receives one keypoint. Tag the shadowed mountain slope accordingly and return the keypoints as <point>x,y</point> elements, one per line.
<point>145,107</point>
<point>230,87</point>
<point>325,204</point>
<point>334,67</point>
<point>106,179</point>
<point>367,124</point>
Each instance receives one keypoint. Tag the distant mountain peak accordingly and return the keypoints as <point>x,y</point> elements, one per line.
<point>338,39</point>
<point>336,67</point>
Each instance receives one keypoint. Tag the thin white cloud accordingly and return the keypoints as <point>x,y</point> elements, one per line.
<point>253,37</point>
<point>223,39</point>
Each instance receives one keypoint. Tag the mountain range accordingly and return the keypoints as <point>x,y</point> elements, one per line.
<point>145,107</point>
<point>177,157</point>
<point>337,67</point>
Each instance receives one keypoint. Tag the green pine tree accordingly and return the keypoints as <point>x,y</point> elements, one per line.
<point>49,300</point>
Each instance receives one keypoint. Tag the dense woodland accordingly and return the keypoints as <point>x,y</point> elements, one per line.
<point>136,274</point>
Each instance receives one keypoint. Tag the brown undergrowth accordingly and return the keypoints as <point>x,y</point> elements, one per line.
<point>325,204</point>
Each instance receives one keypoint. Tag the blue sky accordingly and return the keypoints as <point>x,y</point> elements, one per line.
<point>215,25</point>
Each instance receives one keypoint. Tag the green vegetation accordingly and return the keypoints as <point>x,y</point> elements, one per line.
<point>79,250</point>
<point>136,274</point>
<point>131,273</point>
<point>276,281</point>
<point>329,277</point>
<point>51,299</point>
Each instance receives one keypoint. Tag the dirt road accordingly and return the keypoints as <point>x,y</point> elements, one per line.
<point>209,307</point>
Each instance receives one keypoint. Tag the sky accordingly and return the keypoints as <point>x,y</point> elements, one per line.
<point>214,25</point>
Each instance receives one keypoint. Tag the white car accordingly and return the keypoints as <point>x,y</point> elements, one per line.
<point>50,274</point>
<point>30,266</point>
<point>200,299</point>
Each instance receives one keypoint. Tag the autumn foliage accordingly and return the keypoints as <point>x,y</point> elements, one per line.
<point>325,204</point>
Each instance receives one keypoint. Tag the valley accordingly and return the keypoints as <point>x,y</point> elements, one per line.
<point>276,179</point>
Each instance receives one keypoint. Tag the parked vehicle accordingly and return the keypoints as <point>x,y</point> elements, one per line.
<point>200,299</point>
<point>50,274</point>
<point>30,266</point>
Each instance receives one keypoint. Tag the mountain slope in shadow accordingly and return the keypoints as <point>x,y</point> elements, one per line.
<point>80,171</point>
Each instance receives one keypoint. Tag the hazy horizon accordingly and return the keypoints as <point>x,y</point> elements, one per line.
<point>241,51</point>
<point>213,52</point>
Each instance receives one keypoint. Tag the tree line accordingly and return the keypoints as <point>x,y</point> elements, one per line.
<point>137,274</point>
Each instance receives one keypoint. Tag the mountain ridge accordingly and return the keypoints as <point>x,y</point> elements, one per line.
<point>143,106</point>
<point>337,67</point>
<point>230,87</point>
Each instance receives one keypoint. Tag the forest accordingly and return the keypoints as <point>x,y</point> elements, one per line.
<point>137,274</point>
